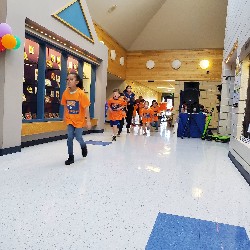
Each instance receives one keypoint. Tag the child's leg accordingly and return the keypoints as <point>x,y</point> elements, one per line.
<point>79,138</point>
<point>121,123</point>
<point>71,131</point>
<point>144,128</point>
<point>156,125</point>
<point>148,125</point>
<point>115,130</point>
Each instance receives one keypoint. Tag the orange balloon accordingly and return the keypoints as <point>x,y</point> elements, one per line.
<point>9,41</point>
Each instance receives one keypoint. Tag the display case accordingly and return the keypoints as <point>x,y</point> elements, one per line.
<point>52,84</point>
<point>29,102</point>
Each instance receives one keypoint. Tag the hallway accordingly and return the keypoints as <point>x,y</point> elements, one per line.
<point>114,197</point>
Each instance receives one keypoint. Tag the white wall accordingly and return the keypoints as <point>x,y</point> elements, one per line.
<point>237,29</point>
<point>11,62</point>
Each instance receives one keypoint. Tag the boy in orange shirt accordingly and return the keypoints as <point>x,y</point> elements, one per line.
<point>121,123</point>
<point>115,105</point>
<point>156,110</point>
<point>147,115</point>
<point>76,111</point>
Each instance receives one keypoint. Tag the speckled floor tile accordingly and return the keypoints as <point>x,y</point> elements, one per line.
<point>111,199</point>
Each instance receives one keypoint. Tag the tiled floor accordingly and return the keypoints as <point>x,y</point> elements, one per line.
<point>112,199</point>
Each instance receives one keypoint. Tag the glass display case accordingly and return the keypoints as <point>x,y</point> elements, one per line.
<point>29,102</point>
<point>52,84</point>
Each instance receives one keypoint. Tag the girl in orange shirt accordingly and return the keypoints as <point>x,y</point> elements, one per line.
<point>156,110</point>
<point>76,110</point>
<point>121,123</point>
<point>134,114</point>
<point>147,115</point>
<point>116,114</point>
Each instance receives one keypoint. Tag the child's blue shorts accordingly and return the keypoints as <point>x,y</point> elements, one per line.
<point>114,123</point>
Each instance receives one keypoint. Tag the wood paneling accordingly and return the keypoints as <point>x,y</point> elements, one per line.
<point>114,66</point>
<point>190,70</point>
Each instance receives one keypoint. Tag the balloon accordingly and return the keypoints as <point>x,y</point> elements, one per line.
<point>18,43</point>
<point>2,49</point>
<point>9,41</point>
<point>5,29</point>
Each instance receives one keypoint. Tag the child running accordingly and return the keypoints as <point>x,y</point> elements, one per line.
<point>156,110</point>
<point>147,115</point>
<point>121,123</point>
<point>116,114</point>
<point>76,111</point>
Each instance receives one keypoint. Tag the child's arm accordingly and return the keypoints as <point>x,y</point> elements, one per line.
<point>87,116</point>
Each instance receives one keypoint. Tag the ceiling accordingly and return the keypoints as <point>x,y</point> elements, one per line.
<point>159,86</point>
<point>162,24</point>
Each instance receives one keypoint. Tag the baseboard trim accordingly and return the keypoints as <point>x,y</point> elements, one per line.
<point>11,150</point>
<point>241,169</point>
<point>55,138</point>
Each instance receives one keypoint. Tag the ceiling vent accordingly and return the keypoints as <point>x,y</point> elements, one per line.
<point>111,9</point>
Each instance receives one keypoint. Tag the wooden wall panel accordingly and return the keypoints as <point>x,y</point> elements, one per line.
<point>114,67</point>
<point>190,70</point>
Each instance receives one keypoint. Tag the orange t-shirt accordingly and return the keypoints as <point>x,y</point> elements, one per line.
<point>147,115</point>
<point>156,111</point>
<point>114,104</point>
<point>74,107</point>
<point>124,103</point>
<point>134,111</point>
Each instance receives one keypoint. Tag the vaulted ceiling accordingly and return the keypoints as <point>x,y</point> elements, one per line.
<point>162,24</point>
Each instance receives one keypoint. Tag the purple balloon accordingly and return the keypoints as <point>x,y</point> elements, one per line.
<point>5,29</point>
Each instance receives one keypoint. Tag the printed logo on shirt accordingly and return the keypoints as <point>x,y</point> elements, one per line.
<point>115,106</point>
<point>73,107</point>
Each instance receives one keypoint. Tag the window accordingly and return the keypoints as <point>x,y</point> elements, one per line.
<point>45,72</point>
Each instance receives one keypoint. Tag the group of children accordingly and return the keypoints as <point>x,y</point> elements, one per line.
<point>121,105</point>
<point>117,106</point>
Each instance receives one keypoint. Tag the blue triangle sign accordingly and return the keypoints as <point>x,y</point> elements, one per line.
<point>73,16</point>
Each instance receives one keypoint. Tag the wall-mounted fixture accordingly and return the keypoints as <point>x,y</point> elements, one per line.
<point>176,64</point>
<point>122,61</point>
<point>150,64</point>
<point>112,54</point>
<point>204,64</point>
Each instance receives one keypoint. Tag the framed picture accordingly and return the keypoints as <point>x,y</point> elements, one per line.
<point>53,58</point>
<point>25,56</point>
<point>28,116</point>
<point>58,78</point>
<point>70,65</point>
<point>53,76</point>
<point>52,94</point>
<point>31,50</point>
<point>58,60</point>
<point>75,66</point>
<point>36,74</point>
<point>57,94</point>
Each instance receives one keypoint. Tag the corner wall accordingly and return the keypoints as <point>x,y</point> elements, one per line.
<point>237,33</point>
